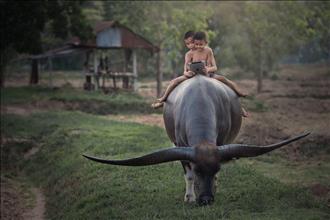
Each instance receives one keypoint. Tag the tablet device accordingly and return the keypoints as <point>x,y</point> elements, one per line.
<point>197,67</point>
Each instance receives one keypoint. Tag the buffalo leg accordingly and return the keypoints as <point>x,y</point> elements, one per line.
<point>189,178</point>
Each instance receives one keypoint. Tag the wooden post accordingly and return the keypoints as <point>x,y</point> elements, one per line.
<point>159,76</point>
<point>114,82</point>
<point>34,76</point>
<point>102,69</point>
<point>95,70</point>
<point>125,62</point>
<point>127,56</point>
<point>135,73</point>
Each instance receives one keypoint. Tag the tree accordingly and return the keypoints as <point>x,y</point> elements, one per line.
<point>164,24</point>
<point>275,29</point>
<point>318,21</point>
<point>258,35</point>
<point>24,25</point>
<point>94,11</point>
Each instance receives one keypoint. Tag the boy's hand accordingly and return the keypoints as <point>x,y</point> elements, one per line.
<point>205,70</point>
<point>189,74</point>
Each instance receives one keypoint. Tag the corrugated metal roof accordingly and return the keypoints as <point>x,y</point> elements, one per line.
<point>68,49</point>
<point>101,25</point>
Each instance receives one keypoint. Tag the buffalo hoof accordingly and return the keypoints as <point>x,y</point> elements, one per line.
<point>189,198</point>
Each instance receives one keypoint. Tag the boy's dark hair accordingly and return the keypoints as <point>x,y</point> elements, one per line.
<point>200,35</point>
<point>189,34</point>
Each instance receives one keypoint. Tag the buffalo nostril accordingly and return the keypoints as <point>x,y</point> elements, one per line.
<point>206,200</point>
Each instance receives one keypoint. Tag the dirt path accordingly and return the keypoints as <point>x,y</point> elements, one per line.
<point>31,152</point>
<point>20,200</point>
<point>11,203</point>
<point>148,119</point>
<point>38,211</point>
<point>18,110</point>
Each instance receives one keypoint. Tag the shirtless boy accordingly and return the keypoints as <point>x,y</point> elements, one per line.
<point>189,42</point>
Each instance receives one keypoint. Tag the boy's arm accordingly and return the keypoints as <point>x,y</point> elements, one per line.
<point>186,70</point>
<point>212,66</point>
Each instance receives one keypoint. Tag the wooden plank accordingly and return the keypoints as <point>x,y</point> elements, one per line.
<point>121,74</point>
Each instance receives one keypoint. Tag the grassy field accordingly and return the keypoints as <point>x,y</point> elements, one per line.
<point>63,123</point>
<point>80,189</point>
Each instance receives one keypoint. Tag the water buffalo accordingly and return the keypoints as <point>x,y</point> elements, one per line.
<point>202,117</point>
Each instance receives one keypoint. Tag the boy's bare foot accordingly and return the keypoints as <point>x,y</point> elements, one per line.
<point>160,100</point>
<point>245,114</point>
<point>241,94</point>
<point>157,105</point>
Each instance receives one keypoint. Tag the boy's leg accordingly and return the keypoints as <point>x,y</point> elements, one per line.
<point>231,84</point>
<point>171,86</point>
<point>245,113</point>
<point>168,90</point>
<point>157,104</point>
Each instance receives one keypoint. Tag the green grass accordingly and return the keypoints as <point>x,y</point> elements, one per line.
<point>77,188</point>
<point>75,99</point>
<point>303,172</point>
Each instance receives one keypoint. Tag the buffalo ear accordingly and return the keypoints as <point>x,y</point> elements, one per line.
<point>231,151</point>
<point>161,156</point>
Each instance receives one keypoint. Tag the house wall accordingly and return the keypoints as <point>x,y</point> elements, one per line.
<point>110,37</point>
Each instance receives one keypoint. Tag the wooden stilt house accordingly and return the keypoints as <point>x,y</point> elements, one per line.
<point>109,35</point>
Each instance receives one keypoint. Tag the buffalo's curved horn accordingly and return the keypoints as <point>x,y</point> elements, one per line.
<point>161,156</point>
<point>230,151</point>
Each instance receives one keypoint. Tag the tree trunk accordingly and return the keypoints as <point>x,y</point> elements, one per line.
<point>34,76</point>
<point>4,58</point>
<point>2,77</point>
<point>260,71</point>
<point>2,72</point>
<point>174,69</point>
<point>259,82</point>
<point>159,75</point>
